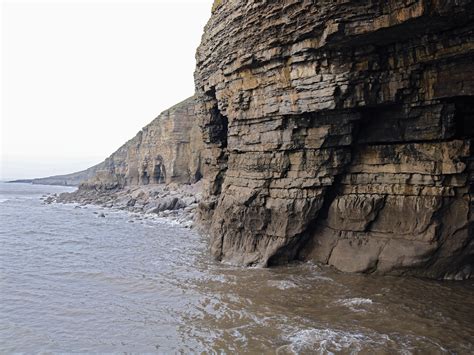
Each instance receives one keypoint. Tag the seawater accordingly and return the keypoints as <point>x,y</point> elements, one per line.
<point>71,281</point>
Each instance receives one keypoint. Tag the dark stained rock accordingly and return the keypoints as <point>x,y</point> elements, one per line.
<point>339,132</point>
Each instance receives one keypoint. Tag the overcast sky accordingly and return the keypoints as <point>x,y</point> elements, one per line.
<point>79,78</point>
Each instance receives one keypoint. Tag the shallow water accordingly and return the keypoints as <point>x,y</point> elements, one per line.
<point>73,281</point>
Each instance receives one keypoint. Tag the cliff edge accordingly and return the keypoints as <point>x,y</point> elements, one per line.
<point>339,132</point>
<point>157,172</point>
<point>73,179</point>
<point>165,151</point>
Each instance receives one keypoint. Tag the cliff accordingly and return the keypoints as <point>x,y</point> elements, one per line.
<point>166,150</point>
<point>155,173</point>
<point>339,132</point>
<point>73,179</point>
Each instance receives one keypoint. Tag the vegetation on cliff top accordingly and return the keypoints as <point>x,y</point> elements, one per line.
<point>216,4</point>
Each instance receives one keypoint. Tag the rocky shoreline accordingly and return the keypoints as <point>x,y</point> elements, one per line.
<point>178,203</point>
<point>339,134</point>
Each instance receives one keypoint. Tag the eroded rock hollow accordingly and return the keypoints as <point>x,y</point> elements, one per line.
<point>340,132</point>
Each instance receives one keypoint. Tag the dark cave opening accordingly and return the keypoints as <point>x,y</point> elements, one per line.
<point>197,175</point>
<point>219,124</point>
<point>464,116</point>
<point>145,178</point>
<point>159,171</point>
<point>215,132</point>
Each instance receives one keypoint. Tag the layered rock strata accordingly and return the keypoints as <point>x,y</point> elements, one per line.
<point>165,151</point>
<point>155,173</point>
<point>340,132</point>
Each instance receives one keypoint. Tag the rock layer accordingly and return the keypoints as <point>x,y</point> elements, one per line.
<point>340,132</point>
<point>155,173</point>
<point>165,151</point>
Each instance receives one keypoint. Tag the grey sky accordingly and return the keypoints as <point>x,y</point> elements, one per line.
<point>79,78</point>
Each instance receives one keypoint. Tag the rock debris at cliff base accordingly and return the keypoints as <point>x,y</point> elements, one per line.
<point>174,202</point>
<point>157,172</point>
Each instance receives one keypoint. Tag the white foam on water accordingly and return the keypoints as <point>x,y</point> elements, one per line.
<point>331,341</point>
<point>321,278</point>
<point>282,285</point>
<point>355,303</point>
<point>2,200</point>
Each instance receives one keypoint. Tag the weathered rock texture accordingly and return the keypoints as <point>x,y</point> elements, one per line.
<point>166,150</point>
<point>155,173</point>
<point>340,132</point>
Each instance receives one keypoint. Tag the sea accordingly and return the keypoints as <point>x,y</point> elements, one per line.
<point>91,280</point>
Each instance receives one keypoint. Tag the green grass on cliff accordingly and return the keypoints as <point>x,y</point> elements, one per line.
<point>216,4</point>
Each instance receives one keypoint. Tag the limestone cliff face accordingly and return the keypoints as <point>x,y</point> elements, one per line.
<point>166,150</point>
<point>340,132</point>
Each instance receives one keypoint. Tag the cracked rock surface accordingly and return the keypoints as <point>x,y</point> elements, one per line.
<point>339,132</point>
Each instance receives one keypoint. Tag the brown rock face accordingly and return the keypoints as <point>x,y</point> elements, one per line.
<point>340,132</point>
<point>166,150</point>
